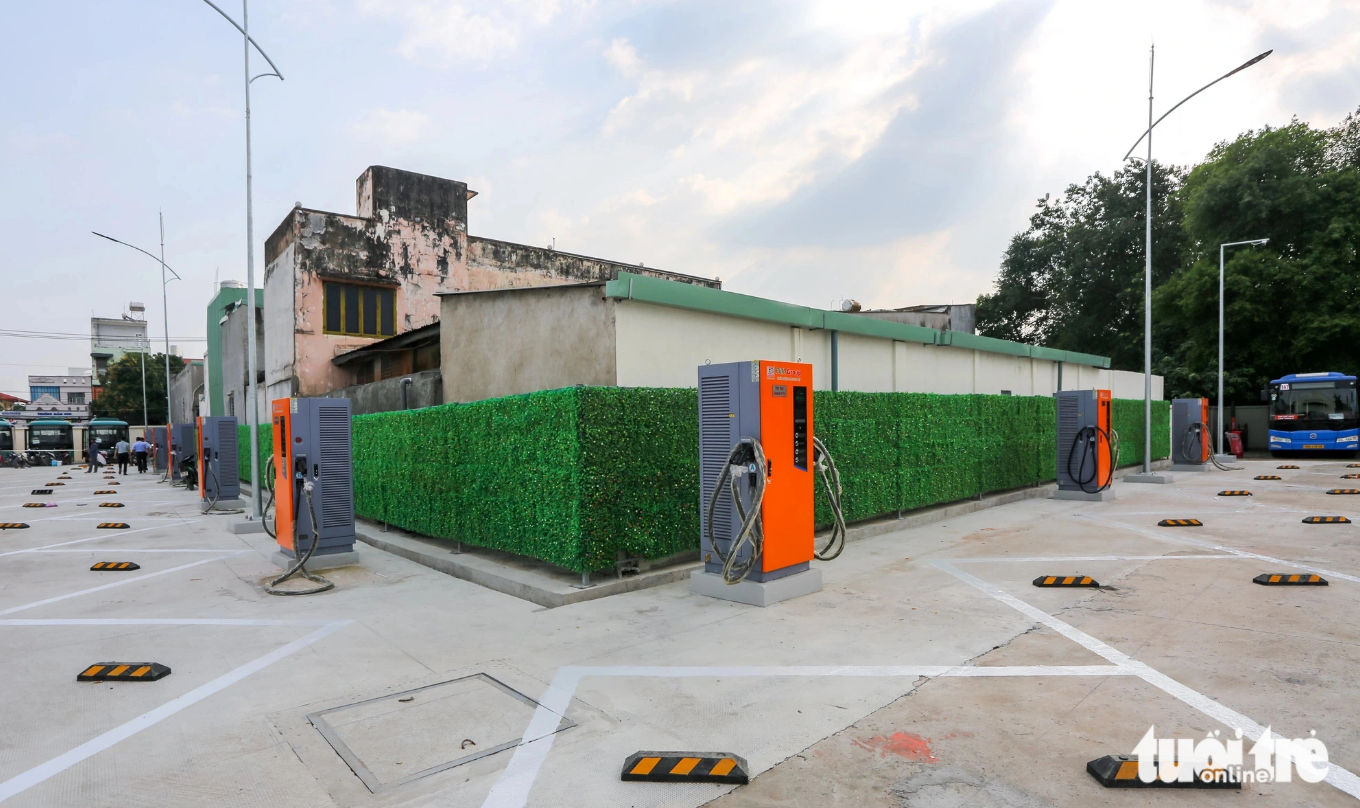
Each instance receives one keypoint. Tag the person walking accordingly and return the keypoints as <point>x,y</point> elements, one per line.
<point>92,457</point>
<point>139,450</point>
<point>122,450</point>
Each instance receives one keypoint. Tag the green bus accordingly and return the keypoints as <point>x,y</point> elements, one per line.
<point>52,438</point>
<point>108,431</point>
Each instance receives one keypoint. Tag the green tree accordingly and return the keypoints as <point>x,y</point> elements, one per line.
<point>1074,279</point>
<point>121,396</point>
<point>1290,306</point>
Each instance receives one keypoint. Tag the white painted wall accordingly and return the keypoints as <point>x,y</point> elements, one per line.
<point>660,346</point>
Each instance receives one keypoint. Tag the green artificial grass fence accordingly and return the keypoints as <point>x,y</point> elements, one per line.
<point>578,476</point>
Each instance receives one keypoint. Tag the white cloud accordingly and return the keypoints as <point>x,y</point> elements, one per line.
<point>446,31</point>
<point>401,127</point>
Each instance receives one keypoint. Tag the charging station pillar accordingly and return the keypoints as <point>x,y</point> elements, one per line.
<point>1190,447</point>
<point>1085,445</point>
<point>313,444</point>
<point>183,444</point>
<point>770,403</point>
<point>219,477</point>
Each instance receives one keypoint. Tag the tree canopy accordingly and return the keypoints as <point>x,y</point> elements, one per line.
<point>1074,278</point>
<point>121,396</point>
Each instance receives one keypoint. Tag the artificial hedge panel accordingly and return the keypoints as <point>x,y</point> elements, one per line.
<point>266,441</point>
<point>578,476</point>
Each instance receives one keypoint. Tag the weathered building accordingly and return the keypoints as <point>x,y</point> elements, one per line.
<point>221,351</point>
<point>186,390</point>
<point>961,317</point>
<point>235,373</point>
<point>335,283</point>
<point>112,339</point>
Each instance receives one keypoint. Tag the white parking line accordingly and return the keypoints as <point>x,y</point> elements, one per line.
<point>1338,777</point>
<point>92,538</point>
<point>121,582</point>
<point>1224,548</point>
<point>1087,558</point>
<point>512,789</point>
<point>61,763</point>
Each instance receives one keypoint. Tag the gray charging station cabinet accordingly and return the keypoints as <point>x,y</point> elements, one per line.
<point>320,430</point>
<point>183,443</point>
<point>221,460</point>
<point>1185,414</point>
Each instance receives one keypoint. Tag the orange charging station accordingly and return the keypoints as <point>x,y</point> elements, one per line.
<point>283,476</point>
<point>758,460</point>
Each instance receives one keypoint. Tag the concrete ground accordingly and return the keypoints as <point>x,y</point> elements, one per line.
<point>928,672</point>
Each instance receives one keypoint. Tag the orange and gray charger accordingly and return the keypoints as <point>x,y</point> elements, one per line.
<point>758,458</point>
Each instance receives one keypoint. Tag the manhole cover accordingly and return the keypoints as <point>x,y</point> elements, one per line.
<point>392,740</point>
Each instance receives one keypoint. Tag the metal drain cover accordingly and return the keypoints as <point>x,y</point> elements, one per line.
<point>394,739</point>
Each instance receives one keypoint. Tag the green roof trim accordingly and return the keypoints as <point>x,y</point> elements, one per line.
<point>717,301</point>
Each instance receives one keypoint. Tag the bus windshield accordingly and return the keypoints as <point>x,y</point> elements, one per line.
<point>49,438</point>
<point>1314,401</point>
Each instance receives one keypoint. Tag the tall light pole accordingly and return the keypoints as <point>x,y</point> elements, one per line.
<point>1221,247</point>
<point>141,350</point>
<point>252,409</point>
<point>164,310</point>
<point>1147,476</point>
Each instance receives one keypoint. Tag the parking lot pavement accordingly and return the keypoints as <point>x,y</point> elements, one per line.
<point>928,672</point>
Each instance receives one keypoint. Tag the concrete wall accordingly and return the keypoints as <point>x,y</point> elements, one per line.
<point>504,343</point>
<point>1254,416</point>
<point>234,367</point>
<point>426,390</point>
<point>185,388</point>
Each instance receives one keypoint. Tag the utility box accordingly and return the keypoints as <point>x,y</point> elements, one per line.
<point>1189,434</point>
<point>769,402</point>
<point>312,443</point>
<point>219,477</point>
<point>183,443</point>
<point>1085,444</point>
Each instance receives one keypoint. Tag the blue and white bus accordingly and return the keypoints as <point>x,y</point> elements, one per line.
<point>1313,412</point>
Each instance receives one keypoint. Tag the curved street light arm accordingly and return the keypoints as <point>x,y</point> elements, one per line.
<point>265,75</point>
<point>1237,69</point>
<point>143,252</point>
<point>252,41</point>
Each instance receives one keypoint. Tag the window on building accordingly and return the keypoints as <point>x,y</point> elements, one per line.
<point>361,311</point>
<point>75,398</point>
<point>231,403</point>
<point>34,393</point>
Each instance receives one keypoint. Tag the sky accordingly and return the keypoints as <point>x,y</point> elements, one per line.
<point>802,150</point>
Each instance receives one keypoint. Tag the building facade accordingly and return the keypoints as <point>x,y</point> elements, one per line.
<point>111,339</point>
<point>335,283</point>
<point>231,296</point>
<point>66,397</point>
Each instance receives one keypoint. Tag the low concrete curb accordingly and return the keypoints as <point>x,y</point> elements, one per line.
<point>551,587</point>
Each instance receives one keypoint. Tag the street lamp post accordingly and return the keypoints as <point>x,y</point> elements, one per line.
<point>141,350</point>
<point>1221,247</point>
<point>252,414</point>
<point>165,310</point>
<point>1147,476</point>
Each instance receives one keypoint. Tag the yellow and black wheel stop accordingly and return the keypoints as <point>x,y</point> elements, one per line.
<point>1284,579</point>
<point>1121,771</point>
<point>110,504</point>
<point>115,566</point>
<point>113,526</point>
<point>1267,477</point>
<point>685,767</point>
<point>1344,491</point>
<point>1234,493</point>
<point>1350,476</point>
<point>39,492</point>
<point>1286,467</point>
<point>1180,523</point>
<point>50,485</point>
<point>104,491</point>
<point>1065,580</point>
<point>13,525</point>
<point>1326,520</point>
<point>37,505</point>
<point>123,672</point>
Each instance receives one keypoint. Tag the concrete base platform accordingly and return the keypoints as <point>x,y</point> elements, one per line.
<point>317,562</point>
<point>244,526</point>
<point>1227,459</point>
<point>221,505</point>
<point>1191,467</point>
<point>1151,477</point>
<point>1082,496</point>
<point>754,593</point>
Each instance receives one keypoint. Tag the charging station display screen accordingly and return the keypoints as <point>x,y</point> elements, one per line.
<point>800,428</point>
